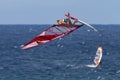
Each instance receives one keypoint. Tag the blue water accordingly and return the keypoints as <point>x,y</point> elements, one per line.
<point>62,59</point>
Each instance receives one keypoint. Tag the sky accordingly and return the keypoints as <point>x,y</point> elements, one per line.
<point>48,11</point>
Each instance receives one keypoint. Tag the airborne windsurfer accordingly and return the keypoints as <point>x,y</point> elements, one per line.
<point>63,28</point>
<point>66,22</point>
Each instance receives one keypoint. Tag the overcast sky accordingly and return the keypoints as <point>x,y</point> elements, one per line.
<point>48,11</point>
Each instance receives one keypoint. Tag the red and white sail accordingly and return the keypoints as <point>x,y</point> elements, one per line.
<point>50,34</point>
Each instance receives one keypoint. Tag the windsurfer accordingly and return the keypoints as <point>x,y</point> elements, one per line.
<point>66,22</point>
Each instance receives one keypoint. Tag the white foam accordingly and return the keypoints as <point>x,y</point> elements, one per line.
<point>91,65</point>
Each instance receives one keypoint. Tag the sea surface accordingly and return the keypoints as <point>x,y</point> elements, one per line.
<point>62,59</point>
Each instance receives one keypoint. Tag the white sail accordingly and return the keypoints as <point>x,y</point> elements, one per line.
<point>98,56</point>
<point>97,59</point>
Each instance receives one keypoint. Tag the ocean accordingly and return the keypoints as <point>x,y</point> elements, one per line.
<point>62,59</point>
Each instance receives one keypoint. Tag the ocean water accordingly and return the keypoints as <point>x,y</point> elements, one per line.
<point>62,59</point>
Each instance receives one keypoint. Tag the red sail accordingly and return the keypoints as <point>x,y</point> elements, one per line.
<point>50,34</point>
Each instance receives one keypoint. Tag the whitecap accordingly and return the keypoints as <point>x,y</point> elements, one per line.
<point>91,65</point>
<point>118,71</point>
